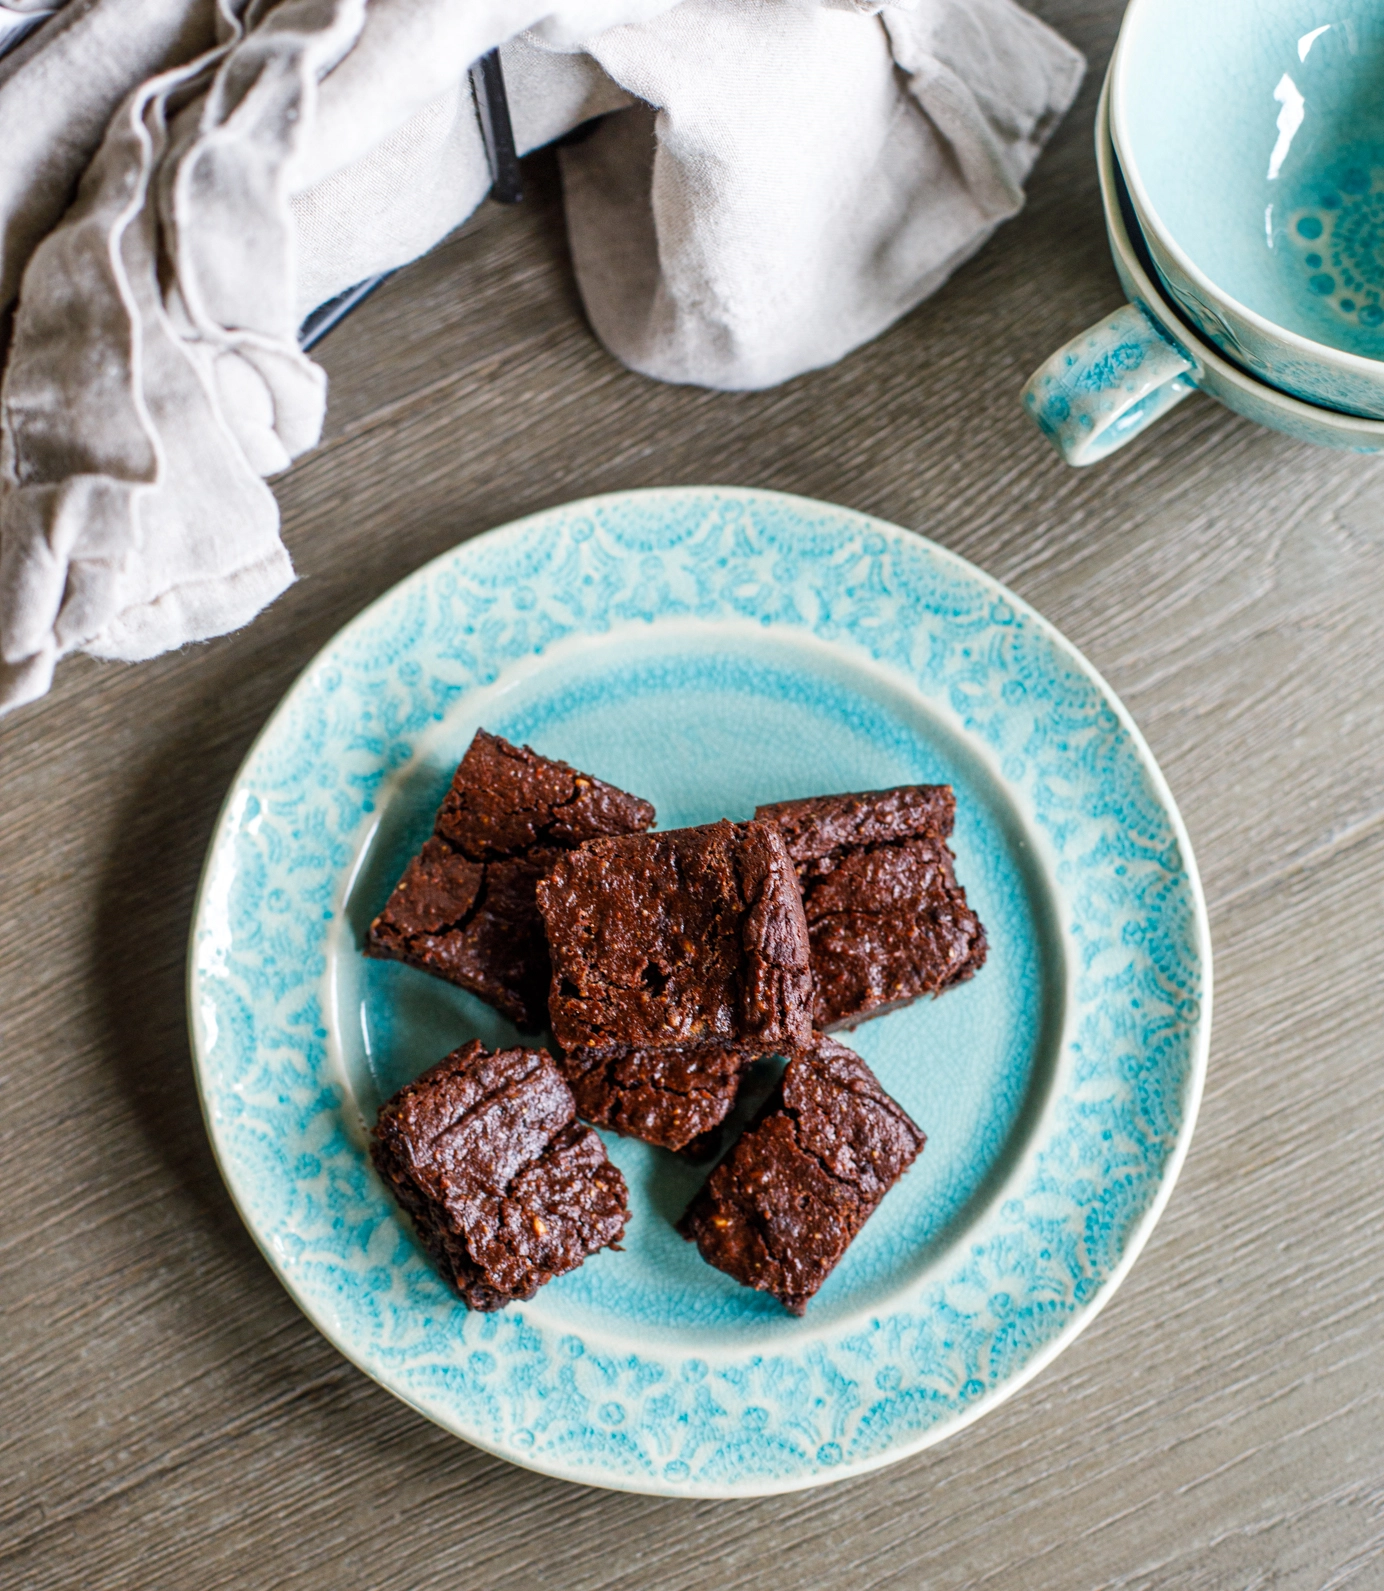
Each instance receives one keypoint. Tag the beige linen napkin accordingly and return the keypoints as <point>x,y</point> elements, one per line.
<point>779,181</point>
<point>19,18</point>
<point>798,176</point>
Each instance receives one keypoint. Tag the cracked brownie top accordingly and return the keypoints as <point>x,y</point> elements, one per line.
<point>887,919</point>
<point>506,800</point>
<point>693,936</point>
<point>505,1187</point>
<point>464,909</point>
<point>782,1208</point>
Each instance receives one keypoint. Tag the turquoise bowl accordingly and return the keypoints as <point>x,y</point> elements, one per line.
<point>1110,383</point>
<point>1251,136</point>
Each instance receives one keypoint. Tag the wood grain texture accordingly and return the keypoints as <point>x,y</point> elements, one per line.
<point>170,1420</point>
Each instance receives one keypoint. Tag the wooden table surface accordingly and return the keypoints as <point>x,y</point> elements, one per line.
<point>171,1420</point>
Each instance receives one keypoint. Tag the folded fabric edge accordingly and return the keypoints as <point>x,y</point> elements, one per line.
<point>27,680</point>
<point>176,618</point>
<point>195,610</point>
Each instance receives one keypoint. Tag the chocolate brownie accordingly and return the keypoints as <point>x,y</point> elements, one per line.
<point>506,1188</point>
<point>782,1208</point>
<point>887,919</point>
<point>671,1097</point>
<point>464,909</point>
<point>689,937</point>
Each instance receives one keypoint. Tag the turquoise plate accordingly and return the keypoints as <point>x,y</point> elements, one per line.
<point>711,649</point>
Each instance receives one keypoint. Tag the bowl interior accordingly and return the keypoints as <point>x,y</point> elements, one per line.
<point>1255,130</point>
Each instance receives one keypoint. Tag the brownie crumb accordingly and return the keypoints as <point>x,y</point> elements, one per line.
<point>465,907</point>
<point>887,919</point>
<point>779,1212</point>
<point>505,1187</point>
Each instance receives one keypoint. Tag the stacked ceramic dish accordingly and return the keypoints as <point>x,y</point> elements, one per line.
<point>1243,185</point>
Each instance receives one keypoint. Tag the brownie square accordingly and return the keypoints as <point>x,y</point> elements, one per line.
<point>465,909</point>
<point>671,1097</point>
<point>689,937</point>
<point>782,1208</point>
<point>887,919</point>
<point>505,1187</point>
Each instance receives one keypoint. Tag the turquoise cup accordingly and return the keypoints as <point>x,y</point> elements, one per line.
<point>1249,139</point>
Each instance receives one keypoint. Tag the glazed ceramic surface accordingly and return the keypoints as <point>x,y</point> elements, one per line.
<point>712,649</point>
<point>1108,384</point>
<point>1251,134</point>
<point>1103,388</point>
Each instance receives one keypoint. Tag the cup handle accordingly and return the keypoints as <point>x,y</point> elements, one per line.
<point>1106,385</point>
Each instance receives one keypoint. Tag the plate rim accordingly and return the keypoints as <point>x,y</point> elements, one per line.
<point>1085,1312</point>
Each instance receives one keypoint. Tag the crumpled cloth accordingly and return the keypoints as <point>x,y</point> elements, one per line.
<point>19,18</point>
<point>773,183</point>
